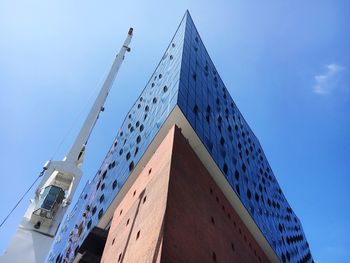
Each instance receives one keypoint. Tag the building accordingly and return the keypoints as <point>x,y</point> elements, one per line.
<point>185,180</point>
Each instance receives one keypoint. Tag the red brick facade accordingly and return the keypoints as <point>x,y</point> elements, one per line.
<point>174,212</point>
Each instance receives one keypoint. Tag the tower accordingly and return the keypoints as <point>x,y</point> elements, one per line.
<point>184,179</point>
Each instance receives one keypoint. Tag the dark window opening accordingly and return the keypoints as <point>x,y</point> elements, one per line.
<point>237,189</point>
<point>93,210</point>
<point>225,168</point>
<point>114,185</point>
<point>195,109</point>
<point>280,228</point>
<point>220,119</point>
<point>288,256</point>
<point>100,213</point>
<point>256,197</point>
<point>207,118</point>
<point>131,166</point>
<point>249,194</point>
<point>284,258</point>
<point>222,141</point>
<point>237,175</point>
<point>89,224</point>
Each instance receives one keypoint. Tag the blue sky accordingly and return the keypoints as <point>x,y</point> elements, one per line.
<point>286,64</point>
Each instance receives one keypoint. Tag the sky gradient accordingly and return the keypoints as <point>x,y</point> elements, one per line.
<point>285,63</point>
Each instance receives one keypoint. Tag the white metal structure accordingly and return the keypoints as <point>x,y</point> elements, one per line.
<point>42,219</point>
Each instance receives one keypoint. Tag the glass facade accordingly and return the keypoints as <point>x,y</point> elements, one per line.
<point>187,77</point>
<point>212,113</point>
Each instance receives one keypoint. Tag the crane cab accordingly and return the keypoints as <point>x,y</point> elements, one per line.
<point>50,200</point>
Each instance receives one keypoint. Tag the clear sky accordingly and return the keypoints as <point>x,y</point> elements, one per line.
<point>286,64</point>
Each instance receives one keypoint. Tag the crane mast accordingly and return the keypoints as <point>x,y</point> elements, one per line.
<point>33,238</point>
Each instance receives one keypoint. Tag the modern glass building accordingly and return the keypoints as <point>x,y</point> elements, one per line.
<point>186,90</point>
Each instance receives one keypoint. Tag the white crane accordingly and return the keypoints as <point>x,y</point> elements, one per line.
<point>35,233</point>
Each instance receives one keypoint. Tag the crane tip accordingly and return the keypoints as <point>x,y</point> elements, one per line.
<point>130,31</point>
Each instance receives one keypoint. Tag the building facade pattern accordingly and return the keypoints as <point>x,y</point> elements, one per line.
<point>187,77</point>
<point>212,113</point>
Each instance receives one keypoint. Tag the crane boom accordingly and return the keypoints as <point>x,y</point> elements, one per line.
<point>33,238</point>
<point>75,153</point>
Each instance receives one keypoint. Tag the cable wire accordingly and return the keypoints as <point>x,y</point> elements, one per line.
<point>20,200</point>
